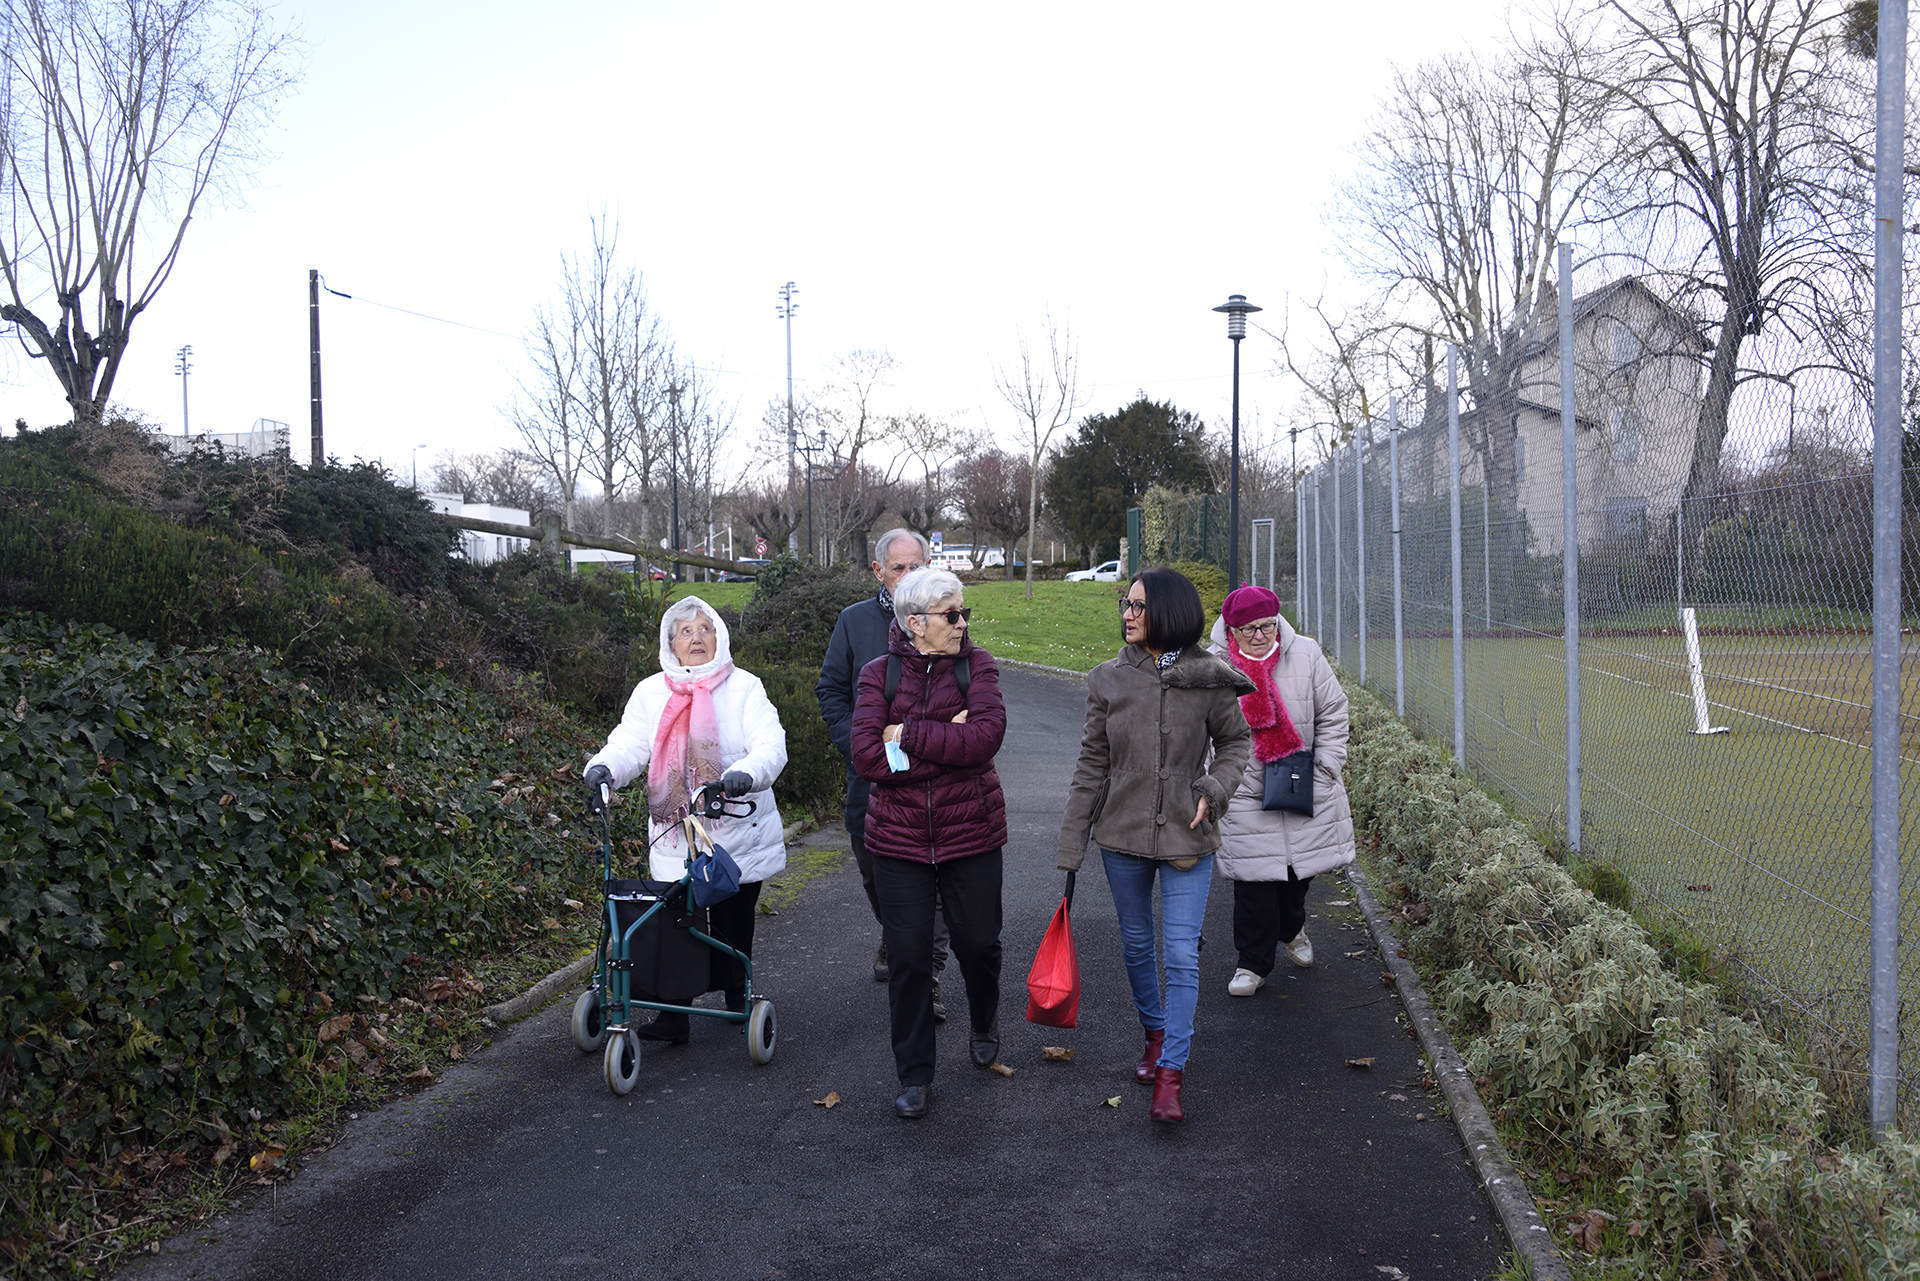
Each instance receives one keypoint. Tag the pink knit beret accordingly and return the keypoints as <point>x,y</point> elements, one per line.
<point>1248,604</point>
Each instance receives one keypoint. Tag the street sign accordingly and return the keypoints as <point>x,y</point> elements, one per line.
<point>759,546</point>
<point>934,541</point>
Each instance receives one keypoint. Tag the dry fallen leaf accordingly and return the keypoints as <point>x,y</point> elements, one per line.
<point>1003,1069</point>
<point>1360,1063</point>
<point>833,1097</point>
<point>266,1158</point>
<point>1113,1102</point>
<point>422,1074</point>
<point>1635,1227</point>
<point>222,1154</point>
<point>1391,1271</point>
<point>334,1027</point>
<point>1587,1228</point>
<point>1386,979</point>
<point>453,1052</point>
<point>1058,1053</point>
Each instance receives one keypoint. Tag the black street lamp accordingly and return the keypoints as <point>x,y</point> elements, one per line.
<point>809,451</point>
<point>1236,308</point>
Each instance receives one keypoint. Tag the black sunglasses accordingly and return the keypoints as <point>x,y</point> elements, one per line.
<point>953,616</point>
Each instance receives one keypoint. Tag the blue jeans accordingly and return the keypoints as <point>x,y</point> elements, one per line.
<point>1183,907</point>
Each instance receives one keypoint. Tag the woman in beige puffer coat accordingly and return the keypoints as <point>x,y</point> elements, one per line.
<point>1272,856</point>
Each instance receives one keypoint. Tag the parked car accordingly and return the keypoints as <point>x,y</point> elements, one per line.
<point>729,576</point>
<point>1107,573</point>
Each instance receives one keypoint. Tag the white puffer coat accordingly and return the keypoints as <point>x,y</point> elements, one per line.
<point>751,739</point>
<point>1258,844</point>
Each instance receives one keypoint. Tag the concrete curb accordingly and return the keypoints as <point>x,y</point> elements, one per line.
<point>517,1008</point>
<point>1039,667</point>
<point>1532,1242</point>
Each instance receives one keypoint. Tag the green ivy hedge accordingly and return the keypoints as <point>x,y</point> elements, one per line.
<point>200,853</point>
<point>1578,1034</point>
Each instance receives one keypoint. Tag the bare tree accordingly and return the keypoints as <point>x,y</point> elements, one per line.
<point>935,448</point>
<point>621,351</point>
<point>546,412</point>
<point>1046,397</point>
<point>116,118</point>
<point>1731,108</point>
<point>504,478</point>
<point>849,411</point>
<point>996,488</point>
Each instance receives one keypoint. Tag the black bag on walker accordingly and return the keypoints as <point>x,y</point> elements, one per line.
<point>669,964</point>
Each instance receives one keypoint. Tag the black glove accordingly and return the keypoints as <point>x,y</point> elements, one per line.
<point>736,782</point>
<point>596,777</point>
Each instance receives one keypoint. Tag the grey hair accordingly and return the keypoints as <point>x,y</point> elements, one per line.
<point>892,536</point>
<point>919,591</point>
<point>681,610</point>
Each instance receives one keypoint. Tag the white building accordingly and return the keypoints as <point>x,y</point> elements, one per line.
<point>483,548</point>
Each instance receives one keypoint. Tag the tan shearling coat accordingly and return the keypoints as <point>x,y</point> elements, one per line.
<point>1144,758</point>
<point>1259,844</point>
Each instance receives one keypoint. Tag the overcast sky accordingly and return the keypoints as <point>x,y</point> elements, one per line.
<point>933,179</point>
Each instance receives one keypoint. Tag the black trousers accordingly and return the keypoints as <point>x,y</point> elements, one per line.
<point>969,891</point>
<point>864,861</point>
<point>1265,915</point>
<point>731,921</point>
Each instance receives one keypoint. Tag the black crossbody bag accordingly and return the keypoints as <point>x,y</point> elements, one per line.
<point>1290,783</point>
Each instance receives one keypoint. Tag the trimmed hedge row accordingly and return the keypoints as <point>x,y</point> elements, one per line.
<point>201,853</point>
<point>1574,1028</point>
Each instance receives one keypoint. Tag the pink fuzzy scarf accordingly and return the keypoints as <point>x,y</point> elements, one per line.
<point>686,746</point>
<point>1273,733</point>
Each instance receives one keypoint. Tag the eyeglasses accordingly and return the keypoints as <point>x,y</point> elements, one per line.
<point>687,631</point>
<point>1133,607</point>
<point>1260,629</point>
<point>954,617</point>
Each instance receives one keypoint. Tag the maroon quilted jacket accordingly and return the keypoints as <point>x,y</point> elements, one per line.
<point>948,805</point>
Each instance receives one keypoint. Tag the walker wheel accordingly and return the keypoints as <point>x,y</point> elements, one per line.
<point>761,1032</point>
<point>623,1062</point>
<point>589,1029</point>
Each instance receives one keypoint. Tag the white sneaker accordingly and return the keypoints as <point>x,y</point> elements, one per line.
<point>1245,983</point>
<point>1301,950</point>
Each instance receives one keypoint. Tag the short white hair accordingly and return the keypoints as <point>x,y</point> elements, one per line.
<point>681,610</point>
<point>893,536</point>
<point>921,590</point>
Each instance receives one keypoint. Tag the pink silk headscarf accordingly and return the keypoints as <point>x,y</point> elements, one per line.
<point>686,746</point>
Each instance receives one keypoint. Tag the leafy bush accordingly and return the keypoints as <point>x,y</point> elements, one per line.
<point>1210,579</point>
<point>201,855</point>
<point>816,773</point>
<point>791,616</point>
<point>1576,1032</point>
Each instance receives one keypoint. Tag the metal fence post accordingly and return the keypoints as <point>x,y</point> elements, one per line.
<point>1299,553</point>
<point>1459,600</point>
<point>1319,567</point>
<point>1889,152</point>
<point>1360,536</point>
<point>1399,627</point>
<point>1339,568</point>
<point>1570,546</point>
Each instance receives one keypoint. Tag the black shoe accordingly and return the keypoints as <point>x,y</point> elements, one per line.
<point>912,1103</point>
<point>670,1029</point>
<point>939,1006</point>
<point>880,964</point>
<point>985,1046</point>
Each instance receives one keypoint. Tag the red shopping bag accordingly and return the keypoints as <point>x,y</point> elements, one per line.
<point>1053,984</point>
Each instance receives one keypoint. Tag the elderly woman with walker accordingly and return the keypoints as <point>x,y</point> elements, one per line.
<point>1164,747</point>
<point>1298,714</point>
<point>700,721</point>
<point>927,722</point>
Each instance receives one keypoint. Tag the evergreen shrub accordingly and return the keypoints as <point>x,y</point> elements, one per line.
<point>1578,1035</point>
<point>201,855</point>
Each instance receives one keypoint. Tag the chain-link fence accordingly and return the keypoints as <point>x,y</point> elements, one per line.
<point>1170,528</point>
<point>1722,617</point>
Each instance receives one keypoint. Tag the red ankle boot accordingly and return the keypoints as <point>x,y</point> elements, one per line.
<point>1166,1095</point>
<point>1150,1057</point>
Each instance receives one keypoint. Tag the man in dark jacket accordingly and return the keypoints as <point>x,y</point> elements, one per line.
<point>859,637</point>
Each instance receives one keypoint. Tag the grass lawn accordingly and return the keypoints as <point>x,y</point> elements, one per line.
<point>1756,838</point>
<point>719,595</point>
<point>1072,625</point>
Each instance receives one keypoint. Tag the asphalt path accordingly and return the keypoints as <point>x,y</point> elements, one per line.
<point>1291,1163</point>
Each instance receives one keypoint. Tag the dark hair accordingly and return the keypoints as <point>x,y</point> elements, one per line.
<point>1175,617</point>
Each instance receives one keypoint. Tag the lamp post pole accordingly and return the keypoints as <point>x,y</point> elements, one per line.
<point>673,455</point>
<point>785,311</point>
<point>1236,307</point>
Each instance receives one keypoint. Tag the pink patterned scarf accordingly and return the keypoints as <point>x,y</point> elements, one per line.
<point>1273,733</point>
<point>686,746</point>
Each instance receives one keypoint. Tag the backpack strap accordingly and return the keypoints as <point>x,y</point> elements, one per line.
<point>962,675</point>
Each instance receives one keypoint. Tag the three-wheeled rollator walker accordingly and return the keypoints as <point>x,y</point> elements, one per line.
<point>655,952</point>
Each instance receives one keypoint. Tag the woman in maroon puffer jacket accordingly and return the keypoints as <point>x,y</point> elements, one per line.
<point>936,819</point>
